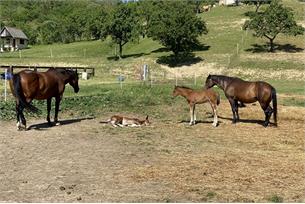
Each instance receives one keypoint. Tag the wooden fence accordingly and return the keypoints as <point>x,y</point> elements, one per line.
<point>88,70</point>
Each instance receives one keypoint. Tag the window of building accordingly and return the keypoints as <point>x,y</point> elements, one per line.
<point>22,41</point>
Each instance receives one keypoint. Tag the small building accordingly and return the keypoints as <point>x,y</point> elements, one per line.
<point>12,39</point>
<point>227,2</point>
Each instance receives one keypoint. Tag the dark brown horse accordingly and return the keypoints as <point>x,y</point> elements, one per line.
<point>28,85</point>
<point>238,90</point>
<point>194,97</point>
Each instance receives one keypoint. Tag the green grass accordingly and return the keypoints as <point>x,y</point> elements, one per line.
<point>95,99</point>
<point>275,199</point>
<point>288,86</point>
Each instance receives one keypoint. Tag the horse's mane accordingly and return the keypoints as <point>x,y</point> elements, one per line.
<point>226,78</point>
<point>63,70</point>
<point>184,87</point>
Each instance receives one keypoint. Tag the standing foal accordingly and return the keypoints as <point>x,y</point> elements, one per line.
<point>194,97</point>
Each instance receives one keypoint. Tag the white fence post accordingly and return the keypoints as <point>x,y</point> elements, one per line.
<point>237,47</point>
<point>5,91</point>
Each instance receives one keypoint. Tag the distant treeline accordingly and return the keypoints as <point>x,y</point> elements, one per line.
<point>53,21</point>
<point>46,22</point>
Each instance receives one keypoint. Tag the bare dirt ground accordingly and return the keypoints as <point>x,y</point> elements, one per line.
<point>86,161</point>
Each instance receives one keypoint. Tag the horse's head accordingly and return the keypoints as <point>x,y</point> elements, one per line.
<point>209,82</point>
<point>73,80</point>
<point>146,121</point>
<point>175,91</point>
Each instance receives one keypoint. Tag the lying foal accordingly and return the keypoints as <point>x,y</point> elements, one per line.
<point>122,121</point>
<point>194,97</point>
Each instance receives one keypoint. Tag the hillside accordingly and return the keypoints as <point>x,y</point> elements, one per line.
<point>225,49</point>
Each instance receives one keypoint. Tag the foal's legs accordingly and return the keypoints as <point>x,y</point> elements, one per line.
<point>57,102</point>
<point>192,110</point>
<point>49,100</point>
<point>214,108</point>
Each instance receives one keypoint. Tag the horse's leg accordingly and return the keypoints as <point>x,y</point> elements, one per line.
<point>21,117</point>
<point>236,109</point>
<point>194,114</point>
<point>18,116</point>
<point>57,102</point>
<point>49,100</point>
<point>268,112</point>
<point>232,103</point>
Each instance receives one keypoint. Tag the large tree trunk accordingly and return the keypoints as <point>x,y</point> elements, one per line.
<point>120,50</point>
<point>271,48</point>
<point>257,6</point>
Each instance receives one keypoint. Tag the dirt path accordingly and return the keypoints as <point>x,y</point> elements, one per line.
<point>85,161</point>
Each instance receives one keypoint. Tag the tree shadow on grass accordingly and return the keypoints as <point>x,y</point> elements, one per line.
<point>161,49</point>
<point>45,125</point>
<point>116,58</point>
<point>256,48</point>
<point>195,47</point>
<point>178,61</point>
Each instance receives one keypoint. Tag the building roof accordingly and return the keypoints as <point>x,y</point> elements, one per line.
<point>14,32</point>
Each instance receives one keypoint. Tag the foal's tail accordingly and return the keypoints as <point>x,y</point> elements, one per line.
<point>20,96</point>
<point>274,101</point>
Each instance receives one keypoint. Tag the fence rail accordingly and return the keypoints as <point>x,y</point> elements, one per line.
<point>89,70</point>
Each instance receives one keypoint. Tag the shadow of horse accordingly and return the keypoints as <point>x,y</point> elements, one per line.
<point>45,125</point>
<point>251,121</point>
<point>199,121</point>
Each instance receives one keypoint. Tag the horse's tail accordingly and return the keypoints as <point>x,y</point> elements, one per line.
<point>20,96</point>
<point>274,101</point>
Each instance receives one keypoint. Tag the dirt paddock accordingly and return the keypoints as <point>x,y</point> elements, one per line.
<point>85,161</point>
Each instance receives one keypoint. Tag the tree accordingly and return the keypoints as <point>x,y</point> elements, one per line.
<point>178,29</point>
<point>274,20</point>
<point>257,3</point>
<point>48,22</point>
<point>123,25</point>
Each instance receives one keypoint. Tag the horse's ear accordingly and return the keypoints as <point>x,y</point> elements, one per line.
<point>146,117</point>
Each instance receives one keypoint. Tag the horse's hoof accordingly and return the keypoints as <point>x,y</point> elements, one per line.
<point>215,124</point>
<point>57,123</point>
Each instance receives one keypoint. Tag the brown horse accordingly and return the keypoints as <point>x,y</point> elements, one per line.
<point>28,85</point>
<point>194,97</point>
<point>237,89</point>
